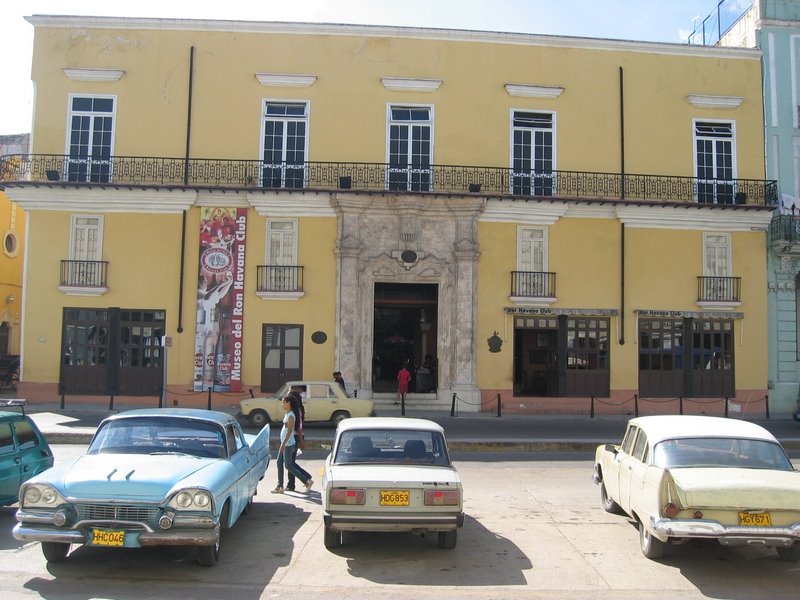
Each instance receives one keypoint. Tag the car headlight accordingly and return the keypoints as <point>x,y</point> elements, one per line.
<point>41,495</point>
<point>192,499</point>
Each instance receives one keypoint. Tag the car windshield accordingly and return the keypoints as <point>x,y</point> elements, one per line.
<point>720,452</point>
<point>159,435</point>
<point>392,446</point>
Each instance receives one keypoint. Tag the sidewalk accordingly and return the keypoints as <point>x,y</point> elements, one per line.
<point>465,432</point>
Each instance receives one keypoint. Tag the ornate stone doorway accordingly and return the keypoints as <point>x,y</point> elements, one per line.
<point>419,240</point>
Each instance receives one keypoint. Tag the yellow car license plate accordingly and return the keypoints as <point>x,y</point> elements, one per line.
<point>759,519</point>
<point>108,537</point>
<point>394,497</point>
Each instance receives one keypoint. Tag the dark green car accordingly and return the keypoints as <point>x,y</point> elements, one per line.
<point>23,453</point>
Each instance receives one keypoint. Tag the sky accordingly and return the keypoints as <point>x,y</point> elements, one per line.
<point>643,20</point>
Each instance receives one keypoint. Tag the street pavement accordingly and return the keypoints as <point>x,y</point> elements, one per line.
<point>479,432</point>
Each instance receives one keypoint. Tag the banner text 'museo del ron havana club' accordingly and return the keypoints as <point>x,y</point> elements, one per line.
<point>220,300</point>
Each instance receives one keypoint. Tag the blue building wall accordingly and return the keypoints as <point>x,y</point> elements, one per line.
<point>778,36</point>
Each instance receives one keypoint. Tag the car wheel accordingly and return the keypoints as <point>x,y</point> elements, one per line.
<point>258,418</point>
<point>55,551</point>
<point>651,546</point>
<point>791,554</point>
<point>339,416</point>
<point>208,556</point>
<point>447,539</point>
<point>333,539</point>
<point>608,504</point>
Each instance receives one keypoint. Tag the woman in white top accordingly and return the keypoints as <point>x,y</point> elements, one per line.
<point>286,451</point>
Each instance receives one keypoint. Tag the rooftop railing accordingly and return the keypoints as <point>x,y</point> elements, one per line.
<point>379,177</point>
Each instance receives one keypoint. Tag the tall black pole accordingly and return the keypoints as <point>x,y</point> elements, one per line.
<point>185,182</point>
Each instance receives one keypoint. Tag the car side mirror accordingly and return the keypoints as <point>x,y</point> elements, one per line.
<point>613,448</point>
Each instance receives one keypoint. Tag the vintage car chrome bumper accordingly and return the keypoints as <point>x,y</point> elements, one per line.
<point>170,537</point>
<point>728,535</point>
<point>367,522</point>
<point>185,530</point>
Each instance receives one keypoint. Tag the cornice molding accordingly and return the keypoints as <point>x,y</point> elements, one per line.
<point>522,90</point>
<point>276,204</point>
<point>285,80</point>
<point>93,74</point>
<point>410,84</point>
<point>706,101</point>
<point>106,199</point>
<point>530,211</point>
<point>523,213</point>
<point>517,39</point>
<point>693,216</point>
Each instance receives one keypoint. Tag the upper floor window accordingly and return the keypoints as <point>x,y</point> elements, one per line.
<point>531,278</point>
<point>285,147</point>
<point>410,151</point>
<point>90,138</point>
<point>281,273</point>
<point>532,153</point>
<point>715,161</point>
<point>86,239</point>
<point>717,254</point>
<point>281,242</point>
<point>85,268</point>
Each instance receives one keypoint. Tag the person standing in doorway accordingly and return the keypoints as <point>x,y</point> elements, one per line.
<point>337,377</point>
<point>403,377</point>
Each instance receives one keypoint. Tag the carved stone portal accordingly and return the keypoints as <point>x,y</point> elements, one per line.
<point>377,237</point>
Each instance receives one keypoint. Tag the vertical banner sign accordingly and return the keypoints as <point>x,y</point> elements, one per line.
<point>220,300</point>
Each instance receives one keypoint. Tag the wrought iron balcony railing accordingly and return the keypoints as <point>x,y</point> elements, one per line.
<point>533,284</point>
<point>719,289</point>
<point>378,177</point>
<point>279,278</point>
<point>784,229</point>
<point>84,273</point>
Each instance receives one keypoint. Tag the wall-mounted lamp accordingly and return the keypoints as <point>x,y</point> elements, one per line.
<point>10,299</point>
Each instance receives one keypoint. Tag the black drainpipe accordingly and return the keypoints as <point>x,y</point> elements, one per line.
<point>622,196</point>
<point>185,183</point>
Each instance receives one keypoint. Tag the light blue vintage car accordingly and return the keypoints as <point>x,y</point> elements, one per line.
<point>150,477</point>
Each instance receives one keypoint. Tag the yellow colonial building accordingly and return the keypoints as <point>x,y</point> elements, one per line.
<point>557,222</point>
<point>12,230</point>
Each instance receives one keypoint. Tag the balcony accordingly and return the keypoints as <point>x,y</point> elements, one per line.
<point>249,175</point>
<point>533,287</point>
<point>719,292</point>
<point>84,277</point>
<point>279,282</point>
<point>784,235</point>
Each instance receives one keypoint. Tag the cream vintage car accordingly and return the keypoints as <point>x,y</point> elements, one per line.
<point>696,477</point>
<point>323,401</point>
<point>391,474</point>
